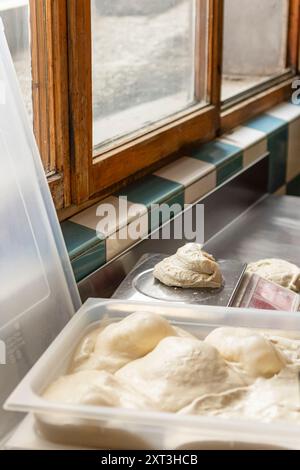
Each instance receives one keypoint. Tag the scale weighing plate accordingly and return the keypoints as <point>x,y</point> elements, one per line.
<point>140,284</point>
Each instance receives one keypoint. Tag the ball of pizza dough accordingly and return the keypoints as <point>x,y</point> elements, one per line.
<point>177,371</point>
<point>190,267</point>
<point>278,271</point>
<point>134,336</point>
<point>123,341</point>
<point>256,355</point>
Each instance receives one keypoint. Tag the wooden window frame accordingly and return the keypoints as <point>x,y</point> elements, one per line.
<point>62,102</point>
<point>49,52</point>
<point>91,175</point>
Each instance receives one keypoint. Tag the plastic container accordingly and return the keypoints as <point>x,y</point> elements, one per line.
<point>38,293</point>
<point>118,428</point>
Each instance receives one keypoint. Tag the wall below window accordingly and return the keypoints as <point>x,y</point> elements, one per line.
<point>185,181</point>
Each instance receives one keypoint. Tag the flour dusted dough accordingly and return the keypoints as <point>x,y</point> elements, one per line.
<point>122,342</point>
<point>177,371</point>
<point>144,363</point>
<point>190,267</point>
<point>89,386</point>
<point>256,355</point>
<point>92,387</point>
<point>279,271</point>
<point>266,400</point>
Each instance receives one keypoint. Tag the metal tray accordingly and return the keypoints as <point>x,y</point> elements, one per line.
<point>140,284</point>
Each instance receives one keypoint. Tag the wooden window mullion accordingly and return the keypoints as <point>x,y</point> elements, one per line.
<point>80,86</point>
<point>49,53</point>
<point>293,35</point>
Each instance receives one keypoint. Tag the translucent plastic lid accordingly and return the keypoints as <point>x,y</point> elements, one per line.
<point>38,293</point>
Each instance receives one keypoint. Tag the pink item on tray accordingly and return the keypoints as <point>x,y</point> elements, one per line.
<point>256,292</point>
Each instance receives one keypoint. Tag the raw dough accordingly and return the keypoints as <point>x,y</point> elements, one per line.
<point>177,371</point>
<point>122,342</point>
<point>151,365</point>
<point>266,400</point>
<point>256,355</point>
<point>88,386</point>
<point>190,267</point>
<point>279,271</point>
<point>92,387</point>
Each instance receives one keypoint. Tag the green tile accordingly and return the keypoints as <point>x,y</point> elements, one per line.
<point>229,168</point>
<point>276,131</point>
<point>293,187</point>
<point>151,190</point>
<point>266,123</point>
<point>78,238</point>
<point>86,250</point>
<point>89,261</point>
<point>228,159</point>
<point>156,218</point>
<point>278,147</point>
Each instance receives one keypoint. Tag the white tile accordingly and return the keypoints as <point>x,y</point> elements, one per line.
<point>285,111</point>
<point>243,137</point>
<point>129,235</point>
<point>253,153</point>
<point>109,215</point>
<point>281,191</point>
<point>293,160</point>
<point>185,170</point>
<point>198,189</point>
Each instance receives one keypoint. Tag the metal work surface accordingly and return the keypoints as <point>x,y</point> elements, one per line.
<point>271,229</point>
<point>140,284</point>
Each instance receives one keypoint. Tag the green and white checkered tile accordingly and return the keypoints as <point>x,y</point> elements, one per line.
<point>291,114</point>
<point>226,158</point>
<point>252,141</point>
<point>198,178</point>
<point>276,130</point>
<point>96,235</point>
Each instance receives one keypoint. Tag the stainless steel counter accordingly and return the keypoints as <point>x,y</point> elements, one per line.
<point>242,222</point>
<point>269,229</point>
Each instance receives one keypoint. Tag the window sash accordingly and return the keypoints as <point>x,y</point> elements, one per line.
<point>62,102</point>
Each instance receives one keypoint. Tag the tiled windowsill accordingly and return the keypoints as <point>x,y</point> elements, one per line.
<point>91,243</point>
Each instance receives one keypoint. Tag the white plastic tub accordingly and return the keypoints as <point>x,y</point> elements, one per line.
<point>118,428</point>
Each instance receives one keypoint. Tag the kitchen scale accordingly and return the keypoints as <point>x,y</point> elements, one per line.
<point>140,284</point>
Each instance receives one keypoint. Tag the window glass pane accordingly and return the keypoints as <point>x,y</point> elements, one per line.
<point>255,43</point>
<point>15,17</point>
<point>143,63</point>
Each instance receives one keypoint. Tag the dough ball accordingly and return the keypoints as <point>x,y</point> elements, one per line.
<point>278,271</point>
<point>126,340</point>
<point>255,354</point>
<point>134,336</point>
<point>177,371</point>
<point>190,267</point>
